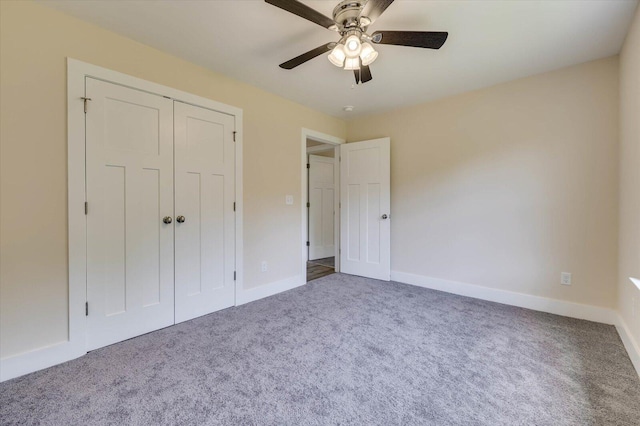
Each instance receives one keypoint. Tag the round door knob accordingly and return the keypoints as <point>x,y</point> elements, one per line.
<point>384,216</point>
<point>180,219</point>
<point>167,219</point>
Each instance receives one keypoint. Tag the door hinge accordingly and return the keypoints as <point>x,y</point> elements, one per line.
<point>86,309</point>
<point>308,244</point>
<point>86,208</point>
<point>234,275</point>
<point>85,103</point>
<point>308,205</point>
<point>308,166</point>
<point>234,135</point>
<point>234,206</point>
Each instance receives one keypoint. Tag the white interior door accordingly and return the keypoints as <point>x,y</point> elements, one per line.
<point>129,172</point>
<point>321,207</point>
<point>204,188</point>
<point>365,198</point>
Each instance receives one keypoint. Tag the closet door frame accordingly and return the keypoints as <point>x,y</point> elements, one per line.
<point>77,72</point>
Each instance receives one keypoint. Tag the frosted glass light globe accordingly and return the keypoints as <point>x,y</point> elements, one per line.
<point>352,46</point>
<point>337,56</point>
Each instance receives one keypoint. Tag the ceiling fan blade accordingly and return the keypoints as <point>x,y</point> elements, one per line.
<point>299,60</point>
<point>303,11</point>
<point>374,8</point>
<point>365,73</point>
<point>426,39</point>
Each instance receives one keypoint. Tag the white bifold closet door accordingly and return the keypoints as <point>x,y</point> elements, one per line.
<point>129,176</point>
<point>204,191</point>
<point>160,178</point>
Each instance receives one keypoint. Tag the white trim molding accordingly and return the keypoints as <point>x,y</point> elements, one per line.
<point>632,347</point>
<point>239,206</point>
<point>536,303</point>
<point>38,359</point>
<point>266,290</point>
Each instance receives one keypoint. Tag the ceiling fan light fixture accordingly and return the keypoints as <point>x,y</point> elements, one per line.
<point>337,55</point>
<point>351,19</point>
<point>351,64</point>
<point>352,46</point>
<point>368,54</point>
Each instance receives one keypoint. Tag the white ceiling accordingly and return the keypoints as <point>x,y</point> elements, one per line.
<point>490,41</point>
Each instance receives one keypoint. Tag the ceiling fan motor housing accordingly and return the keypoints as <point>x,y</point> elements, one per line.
<point>346,14</point>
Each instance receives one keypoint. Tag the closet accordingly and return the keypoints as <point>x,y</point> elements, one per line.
<point>160,188</point>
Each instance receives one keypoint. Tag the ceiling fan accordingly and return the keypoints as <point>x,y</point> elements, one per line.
<point>354,51</point>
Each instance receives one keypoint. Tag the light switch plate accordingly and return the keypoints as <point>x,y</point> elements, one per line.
<point>288,200</point>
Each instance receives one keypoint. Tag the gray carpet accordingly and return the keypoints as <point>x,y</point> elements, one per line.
<point>345,350</point>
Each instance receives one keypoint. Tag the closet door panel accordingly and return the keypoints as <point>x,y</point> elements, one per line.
<point>204,196</point>
<point>129,173</point>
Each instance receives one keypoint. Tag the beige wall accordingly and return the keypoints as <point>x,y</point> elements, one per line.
<point>34,44</point>
<point>508,186</point>
<point>628,295</point>
<point>503,187</point>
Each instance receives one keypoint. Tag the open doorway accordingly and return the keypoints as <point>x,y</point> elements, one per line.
<point>321,214</point>
<point>321,210</point>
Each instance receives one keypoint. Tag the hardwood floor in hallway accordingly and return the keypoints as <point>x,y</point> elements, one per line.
<point>320,268</point>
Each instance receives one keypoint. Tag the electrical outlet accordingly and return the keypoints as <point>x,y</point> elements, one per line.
<point>565,278</point>
<point>288,200</point>
<point>264,266</point>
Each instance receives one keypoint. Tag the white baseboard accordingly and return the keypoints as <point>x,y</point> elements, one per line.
<point>632,347</point>
<point>48,356</point>
<point>38,359</point>
<point>537,303</point>
<point>266,290</point>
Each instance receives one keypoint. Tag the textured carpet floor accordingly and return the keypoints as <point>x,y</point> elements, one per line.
<point>345,350</point>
